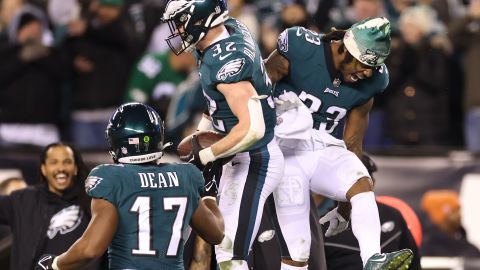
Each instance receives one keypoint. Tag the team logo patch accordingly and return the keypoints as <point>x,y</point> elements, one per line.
<point>231,69</point>
<point>266,236</point>
<point>65,221</point>
<point>282,41</point>
<point>369,57</point>
<point>330,91</point>
<point>388,226</point>
<point>92,182</point>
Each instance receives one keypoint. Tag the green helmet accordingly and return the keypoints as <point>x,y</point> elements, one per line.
<point>190,20</point>
<point>135,134</point>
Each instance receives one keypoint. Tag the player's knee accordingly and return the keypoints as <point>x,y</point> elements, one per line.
<point>300,253</point>
<point>290,193</point>
<point>363,184</point>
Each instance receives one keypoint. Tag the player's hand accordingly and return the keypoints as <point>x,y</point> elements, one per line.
<point>45,262</point>
<point>195,156</point>
<point>212,174</point>
<point>337,224</point>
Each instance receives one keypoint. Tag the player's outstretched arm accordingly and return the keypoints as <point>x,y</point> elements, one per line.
<point>207,221</point>
<point>95,239</point>
<point>356,126</point>
<point>277,66</point>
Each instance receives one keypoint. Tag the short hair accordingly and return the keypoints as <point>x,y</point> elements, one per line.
<point>337,35</point>
<point>78,180</point>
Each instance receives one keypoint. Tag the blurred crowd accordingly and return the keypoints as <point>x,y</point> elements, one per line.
<point>65,64</point>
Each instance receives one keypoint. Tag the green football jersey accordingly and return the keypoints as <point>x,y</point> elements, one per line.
<point>151,78</point>
<point>230,60</point>
<point>155,204</point>
<point>312,76</point>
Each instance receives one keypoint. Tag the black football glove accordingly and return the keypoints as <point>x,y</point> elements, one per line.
<point>194,156</point>
<point>45,262</point>
<point>212,174</point>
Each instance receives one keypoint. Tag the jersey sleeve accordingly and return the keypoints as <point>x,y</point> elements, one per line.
<point>102,183</point>
<point>383,78</point>
<point>197,181</point>
<point>297,43</point>
<point>231,68</point>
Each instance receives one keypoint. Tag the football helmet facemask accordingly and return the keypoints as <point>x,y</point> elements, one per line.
<point>190,20</point>
<point>135,134</point>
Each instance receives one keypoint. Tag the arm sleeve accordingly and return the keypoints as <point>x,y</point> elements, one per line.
<point>197,180</point>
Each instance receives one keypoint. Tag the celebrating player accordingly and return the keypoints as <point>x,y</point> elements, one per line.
<point>336,76</point>
<point>238,92</point>
<point>141,209</point>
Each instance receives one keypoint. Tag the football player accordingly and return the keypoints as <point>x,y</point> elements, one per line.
<point>239,97</point>
<point>141,208</point>
<point>336,76</point>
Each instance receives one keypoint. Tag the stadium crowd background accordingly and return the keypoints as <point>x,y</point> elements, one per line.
<point>65,65</point>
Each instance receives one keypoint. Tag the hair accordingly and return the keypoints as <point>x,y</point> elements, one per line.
<point>78,180</point>
<point>337,35</point>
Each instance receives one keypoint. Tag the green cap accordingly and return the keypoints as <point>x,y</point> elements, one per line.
<point>369,41</point>
<point>111,2</point>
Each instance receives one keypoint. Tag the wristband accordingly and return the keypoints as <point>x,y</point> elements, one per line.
<point>209,198</point>
<point>54,264</point>
<point>206,155</point>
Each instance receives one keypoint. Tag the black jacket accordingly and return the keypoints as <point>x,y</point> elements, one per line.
<point>342,250</point>
<point>31,92</point>
<point>26,212</point>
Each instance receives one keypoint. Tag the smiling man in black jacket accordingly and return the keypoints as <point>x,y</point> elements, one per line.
<point>51,216</point>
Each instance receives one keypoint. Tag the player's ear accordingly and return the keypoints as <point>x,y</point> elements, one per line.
<point>43,170</point>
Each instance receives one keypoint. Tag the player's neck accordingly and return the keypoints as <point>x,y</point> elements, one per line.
<point>213,35</point>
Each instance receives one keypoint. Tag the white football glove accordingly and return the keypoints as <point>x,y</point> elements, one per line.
<point>286,102</point>
<point>337,223</point>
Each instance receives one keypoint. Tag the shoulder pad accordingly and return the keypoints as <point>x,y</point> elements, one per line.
<point>101,180</point>
<point>297,42</point>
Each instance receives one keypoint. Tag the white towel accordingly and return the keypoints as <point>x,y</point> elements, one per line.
<point>294,119</point>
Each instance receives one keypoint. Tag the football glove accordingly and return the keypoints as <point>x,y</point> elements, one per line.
<point>45,262</point>
<point>212,174</point>
<point>195,157</point>
<point>337,224</point>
